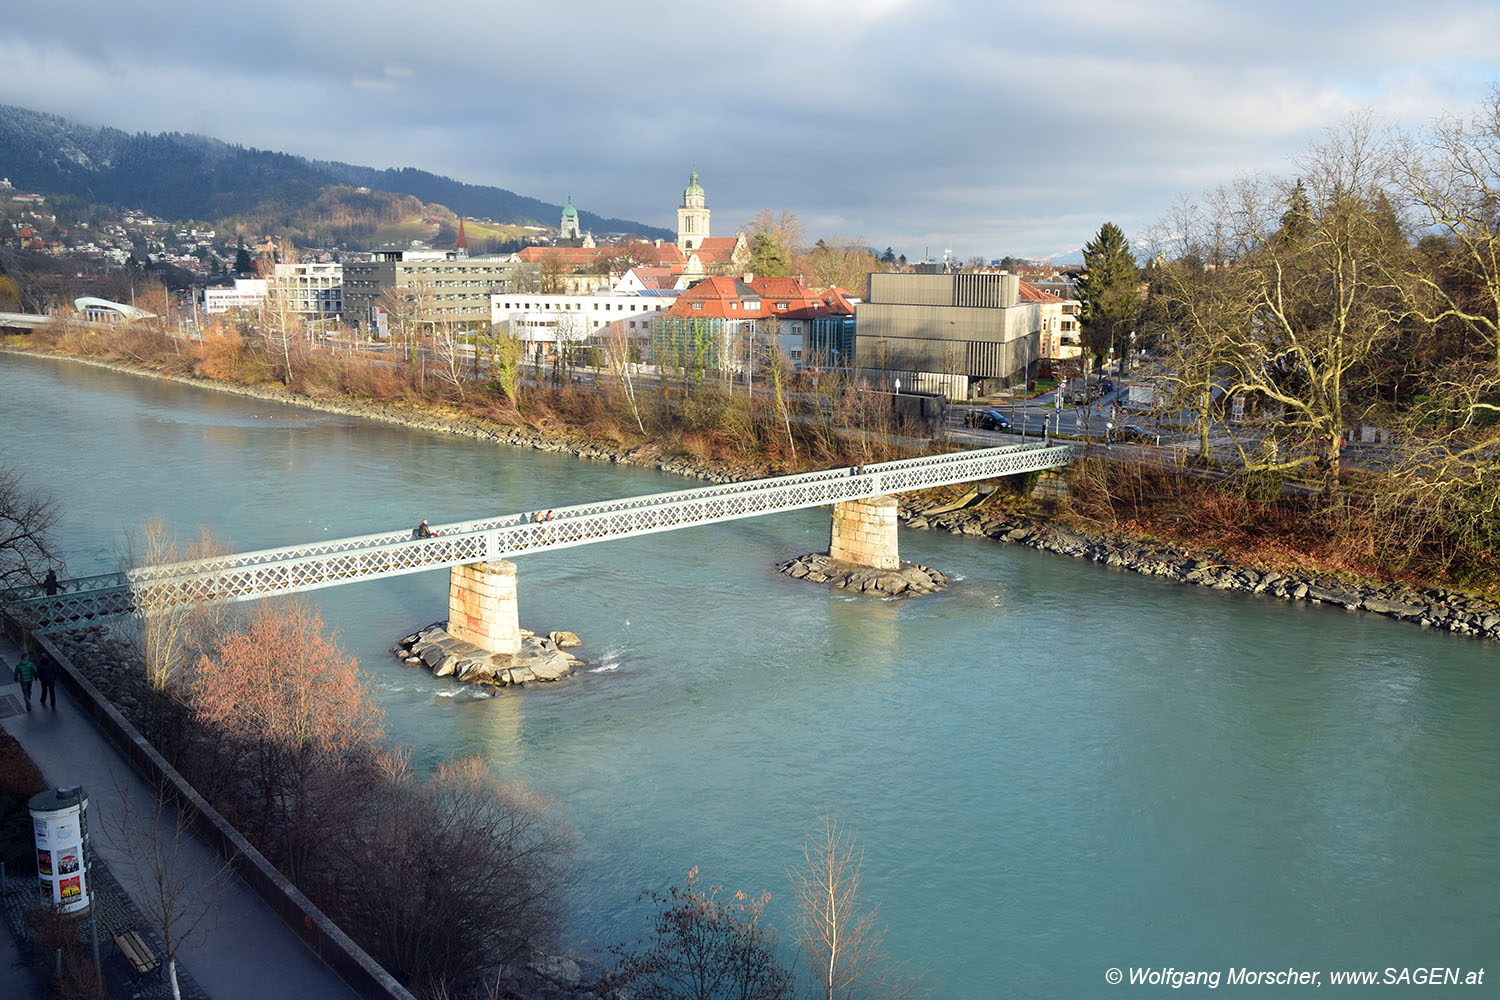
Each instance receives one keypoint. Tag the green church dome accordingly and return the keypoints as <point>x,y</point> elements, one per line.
<point>693,190</point>
<point>569,212</point>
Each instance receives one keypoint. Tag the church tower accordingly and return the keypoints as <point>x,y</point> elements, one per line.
<point>568,228</point>
<point>692,217</point>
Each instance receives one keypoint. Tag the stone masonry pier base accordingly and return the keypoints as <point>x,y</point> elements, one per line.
<point>864,533</point>
<point>482,606</point>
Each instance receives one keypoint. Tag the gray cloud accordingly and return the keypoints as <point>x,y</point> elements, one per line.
<point>988,128</point>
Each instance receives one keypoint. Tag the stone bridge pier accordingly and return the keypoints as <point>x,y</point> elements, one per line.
<point>482,606</point>
<point>864,533</point>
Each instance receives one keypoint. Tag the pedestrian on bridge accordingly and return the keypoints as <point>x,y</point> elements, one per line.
<point>422,531</point>
<point>50,584</point>
<point>24,674</point>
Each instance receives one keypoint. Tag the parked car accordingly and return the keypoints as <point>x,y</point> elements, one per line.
<point>987,420</point>
<point>1136,433</point>
<point>1105,386</point>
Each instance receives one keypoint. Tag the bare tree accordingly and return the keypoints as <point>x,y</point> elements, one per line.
<point>445,877</point>
<point>171,634</point>
<point>409,307</point>
<point>1293,315</point>
<point>783,228</point>
<point>27,520</point>
<point>835,930</point>
<point>1452,178</point>
<point>777,368</point>
<point>290,706</point>
<point>843,263</point>
<point>1198,305</point>
<point>448,353</point>
<point>618,358</point>
<point>1443,484</point>
<point>178,894</point>
<point>281,323</point>
<point>702,948</point>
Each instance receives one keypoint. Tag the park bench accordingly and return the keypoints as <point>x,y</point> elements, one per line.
<point>134,949</point>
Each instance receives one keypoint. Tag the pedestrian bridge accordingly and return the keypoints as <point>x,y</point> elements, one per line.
<point>292,569</point>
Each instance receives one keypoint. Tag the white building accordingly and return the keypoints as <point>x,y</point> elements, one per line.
<point>538,318</point>
<point>245,293</point>
<point>312,289</point>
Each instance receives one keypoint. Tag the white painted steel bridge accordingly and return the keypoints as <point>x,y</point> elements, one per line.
<point>290,569</point>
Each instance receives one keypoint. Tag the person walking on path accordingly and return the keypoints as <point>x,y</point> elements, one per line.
<point>50,585</point>
<point>46,675</point>
<point>24,674</point>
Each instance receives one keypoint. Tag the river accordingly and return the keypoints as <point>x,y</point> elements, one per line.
<point>1054,768</point>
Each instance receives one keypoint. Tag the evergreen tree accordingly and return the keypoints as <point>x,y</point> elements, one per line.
<point>767,259</point>
<point>242,262</point>
<point>889,257</point>
<point>1296,221</point>
<point>1110,292</point>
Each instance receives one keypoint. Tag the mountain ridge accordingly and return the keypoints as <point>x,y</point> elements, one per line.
<point>183,176</point>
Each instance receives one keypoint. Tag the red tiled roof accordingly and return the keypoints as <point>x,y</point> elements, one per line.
<point>587,257</point>
<point>1031,293</point>
<point>718,297</point>
<point>571,256</point>
<point>655,277</point>
<point>781,288</point>
<point>837,301</point>
<point>715,249</point>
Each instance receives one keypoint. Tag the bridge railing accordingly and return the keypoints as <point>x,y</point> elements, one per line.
<point>295,568</point>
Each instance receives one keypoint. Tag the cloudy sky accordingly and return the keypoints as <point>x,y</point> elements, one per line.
<point>988,128</point>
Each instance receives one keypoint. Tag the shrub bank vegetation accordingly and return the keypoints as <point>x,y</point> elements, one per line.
<point>595,396</point>
<point>1290,314</point>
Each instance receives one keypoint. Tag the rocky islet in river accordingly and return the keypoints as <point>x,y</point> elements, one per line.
<point>910,580</point>
<point>540,658</point>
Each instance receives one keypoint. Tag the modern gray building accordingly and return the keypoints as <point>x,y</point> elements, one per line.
<point>443,286</point>
<point>958,334</point>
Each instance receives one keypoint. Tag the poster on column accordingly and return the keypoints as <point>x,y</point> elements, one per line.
<point>58,824</point>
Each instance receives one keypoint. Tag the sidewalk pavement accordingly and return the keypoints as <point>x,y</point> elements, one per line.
<point>17,980</point>
<point>247,951</point>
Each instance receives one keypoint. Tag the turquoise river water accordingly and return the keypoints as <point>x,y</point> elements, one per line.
<point>1054,769</point>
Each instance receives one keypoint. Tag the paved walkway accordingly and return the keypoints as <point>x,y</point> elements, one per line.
<point>247,952</point>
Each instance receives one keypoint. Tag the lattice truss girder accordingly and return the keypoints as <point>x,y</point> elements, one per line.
<point>290,569</point>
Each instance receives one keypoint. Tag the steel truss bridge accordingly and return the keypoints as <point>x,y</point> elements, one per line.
<point>291,569</point>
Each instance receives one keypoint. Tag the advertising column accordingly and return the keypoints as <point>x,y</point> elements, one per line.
<point>59,821</point>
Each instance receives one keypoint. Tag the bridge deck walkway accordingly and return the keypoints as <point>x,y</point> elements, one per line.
<point>291,569</point>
